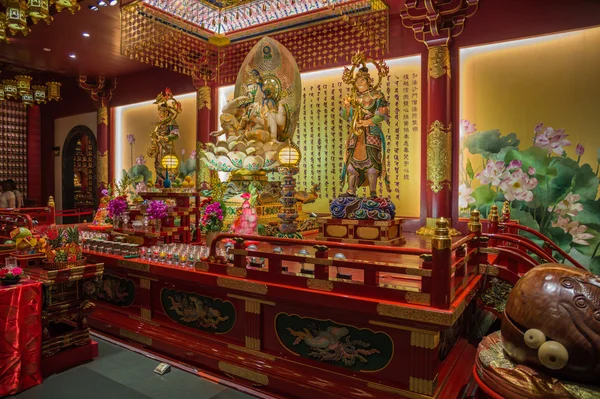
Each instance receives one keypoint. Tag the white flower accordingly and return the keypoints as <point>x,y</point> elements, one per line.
<point>579,234</point>
<point>493,173</point>
<point>563,223</point>
<point>464,196</point>
<point>568,206</point>
<point>518,186</point>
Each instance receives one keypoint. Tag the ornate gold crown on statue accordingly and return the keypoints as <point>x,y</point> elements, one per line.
<point>360,61</point>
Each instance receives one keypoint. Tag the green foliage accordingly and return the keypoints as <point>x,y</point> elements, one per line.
<point>137,174</point>
<point>470,172</point>
<point>483,196</point>
<point>490,143</point>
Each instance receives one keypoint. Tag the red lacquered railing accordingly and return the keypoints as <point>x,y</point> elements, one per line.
<point>546,240</point>
<point>522,242</point>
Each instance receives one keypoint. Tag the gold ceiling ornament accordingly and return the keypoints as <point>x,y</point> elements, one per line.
<point>10,89</point>
<point>438,61</point>
<point>27,98</point>
<point>23,83</point>
<point>39,94</point>
<point>16,17</point>
<point>53,91</point>
<point>3,37</point>
<point>70,5</point>
<point>39,10</point>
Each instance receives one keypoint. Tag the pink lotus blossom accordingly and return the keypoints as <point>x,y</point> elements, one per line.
<point>464,196</point>
<point>568,206</point>
<point>579,149</point>
<point>130,139</point>
<point>141,187</point>
<point>518,186</point>
<point>562,223</point>
<point>193,154</point>
<point>140,160</point>
<point>493,173</point>
<point>531,170</point>
<point>538,128</point>
<point>553,140</point>
<point>579,234</point>
<point>466,127</point>
<point>515,164</point>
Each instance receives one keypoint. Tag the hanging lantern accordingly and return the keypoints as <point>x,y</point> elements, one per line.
<point>289,155</point>
<point>16,17</point>
<point>23,84</point>
<point>39,94</point>
<point>39,10</point>
<point>53,91</point>
<point>70,5</point>
<point>3,37</point>
<point>27,99</point>
<point>10,89</point>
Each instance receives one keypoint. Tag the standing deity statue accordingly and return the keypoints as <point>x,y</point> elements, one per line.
<point>165,130</point>
<point>366,109</point>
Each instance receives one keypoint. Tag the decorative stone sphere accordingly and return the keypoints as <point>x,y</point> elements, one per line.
<point>552,322</point>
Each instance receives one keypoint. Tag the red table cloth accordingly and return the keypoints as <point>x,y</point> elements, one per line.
<point>20,336</point>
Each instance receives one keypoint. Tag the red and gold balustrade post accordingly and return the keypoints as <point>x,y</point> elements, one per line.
<point>101,93</point>
<point>435,24</point>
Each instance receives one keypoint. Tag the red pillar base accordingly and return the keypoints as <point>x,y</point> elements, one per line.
<point>69,358</point>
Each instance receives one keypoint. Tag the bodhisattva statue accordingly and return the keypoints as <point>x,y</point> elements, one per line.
<point>165,130</point>
<point>366,109</point>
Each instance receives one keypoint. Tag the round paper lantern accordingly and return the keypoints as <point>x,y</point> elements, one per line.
<point>169,162</point>
<point>289,154</point>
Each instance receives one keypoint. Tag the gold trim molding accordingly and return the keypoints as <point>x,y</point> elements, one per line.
<point>146,313</point>
<point>127,264</point>
<point>236,271</point>
<point>252,307</point>
<point>252,343</point>
<point>439,156</point>
<point>424,340</point>
<point>201,266</point>
<point>135,337</point>
<point>438,62</point>
<point>251,352</point>
<point>102,167</point>
<point>204,97</point>
<point>242,285</point>
<point>490,270</point>
<point>419,385</point>
<point>144,283</point>
<point>320,285</point>
<point>418,298</point>
<point>246,298</point>
<point>102,117</point>
<point>246,374</point>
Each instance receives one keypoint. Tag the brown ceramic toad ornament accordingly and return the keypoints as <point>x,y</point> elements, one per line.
<point>552,322</point>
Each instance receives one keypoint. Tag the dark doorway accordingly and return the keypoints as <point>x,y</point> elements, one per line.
<point>79,173</point>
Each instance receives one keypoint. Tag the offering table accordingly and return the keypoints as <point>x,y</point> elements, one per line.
<point>293,324</point>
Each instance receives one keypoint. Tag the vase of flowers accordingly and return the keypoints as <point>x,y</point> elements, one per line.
<point>157,211</point>
<point>10,276</point>
<point>116,207</point>
<point>212,219</point>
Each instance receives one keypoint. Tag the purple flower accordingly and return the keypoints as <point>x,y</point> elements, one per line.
<point>157,209</point>
<point>140,160</point>
<point>579,150</point>
<point>116,206</point>
<point>105,193</point>
<point>130,139</point>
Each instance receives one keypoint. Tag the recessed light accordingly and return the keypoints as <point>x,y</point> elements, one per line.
<point>85,34</point>
<point>93,8</point>
<point>47,49</point>
<point>72,55</point>
<point>113,3</point>
<point>102,3</point>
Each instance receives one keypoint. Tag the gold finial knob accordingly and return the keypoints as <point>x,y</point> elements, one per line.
<point>51,202</point>
<point>506,208</point>
<point>474,224</point>
<point>493,216</point>
<point>441,239</point>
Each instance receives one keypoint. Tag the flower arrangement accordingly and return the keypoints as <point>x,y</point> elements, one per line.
<point>117,206</point>
<point>212,215</point>
<point>157,209</point>
<point>547,189</point>
<point>11,276</point>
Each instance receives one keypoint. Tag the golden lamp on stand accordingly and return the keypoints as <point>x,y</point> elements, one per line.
<point>289,157</point>
<point>169,161</point>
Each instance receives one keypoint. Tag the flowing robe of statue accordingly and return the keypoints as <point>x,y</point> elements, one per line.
<point>364,161</point>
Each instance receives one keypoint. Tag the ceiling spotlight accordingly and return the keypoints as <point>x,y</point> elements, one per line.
<point>72,55</point>
<point>113,3</point>
<point>85,34</point>
<point>47,49</point>
<point>102,3</point>
<point>93,8</point>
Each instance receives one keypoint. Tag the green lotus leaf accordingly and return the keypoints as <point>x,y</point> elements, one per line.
<point>470,171</point>
<point>483,196</point>
<point>526,219</point>
<point>585,183</point>
<point>590,216</point>
<point>490,142</point>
